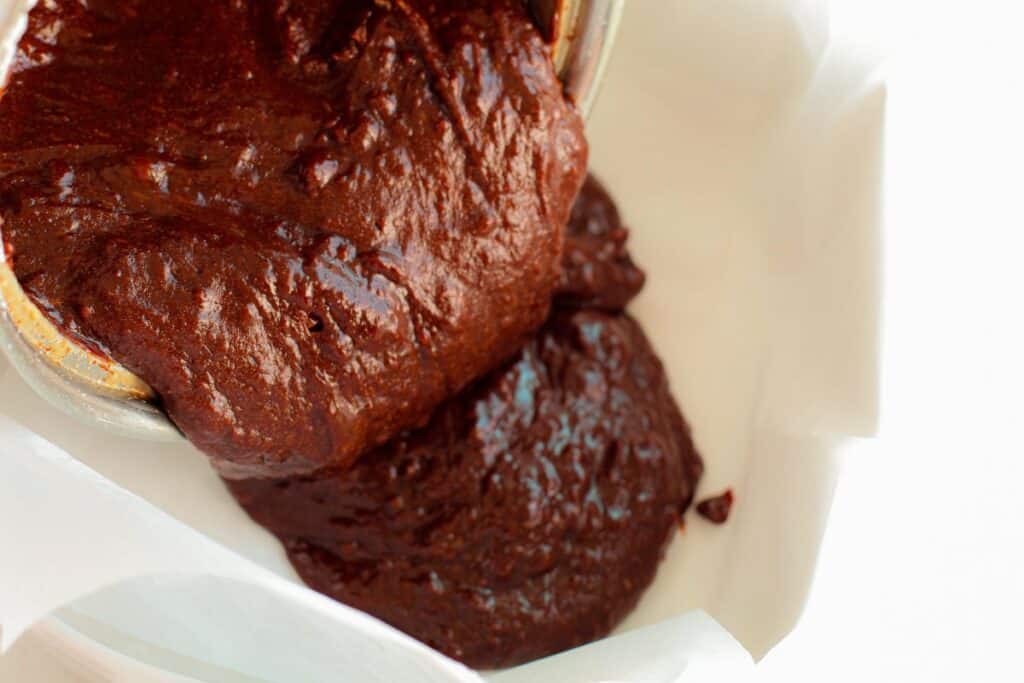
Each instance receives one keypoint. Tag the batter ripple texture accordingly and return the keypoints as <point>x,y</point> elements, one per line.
<point>532,511</point>
<point>304,223</point>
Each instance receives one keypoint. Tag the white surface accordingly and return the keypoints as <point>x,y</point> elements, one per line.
<point>12,22</point>
<point>922,571</point>
<point>750,181</point>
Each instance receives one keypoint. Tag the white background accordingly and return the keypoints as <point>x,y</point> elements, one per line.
<point>921,577</point>
<point>922,572</point>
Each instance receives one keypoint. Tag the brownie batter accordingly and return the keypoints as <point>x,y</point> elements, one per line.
<point>532,511</point>
<point>717,508</point>
<point>597,271</point>
<point>304,223</point>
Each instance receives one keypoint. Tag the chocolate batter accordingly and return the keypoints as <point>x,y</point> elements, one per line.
<point>304,222</point>
<point>597,271</point>
<point>531,512</point>
<point>309,223</point>
<point>717,508</point>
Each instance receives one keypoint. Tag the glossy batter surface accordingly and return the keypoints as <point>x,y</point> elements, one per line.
<point>597,271</point>
<point>532,511</point>
<point>305,223</point>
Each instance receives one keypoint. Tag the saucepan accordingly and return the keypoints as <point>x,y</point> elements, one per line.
<point>92,387</point>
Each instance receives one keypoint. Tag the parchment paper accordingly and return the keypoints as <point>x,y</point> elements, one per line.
<point>743,146</point>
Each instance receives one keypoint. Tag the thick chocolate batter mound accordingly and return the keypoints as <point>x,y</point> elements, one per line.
<point>531,512</point>
<point>526,518</point>
<point>304,222</point>
<point>597,271</point>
